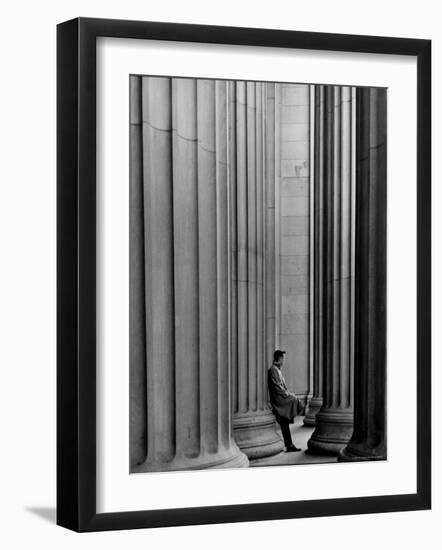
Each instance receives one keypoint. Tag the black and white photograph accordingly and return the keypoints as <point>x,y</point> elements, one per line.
<point>220,288</point>
<point>257,273</point>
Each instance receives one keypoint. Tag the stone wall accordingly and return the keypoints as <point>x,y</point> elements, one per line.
<point>294,206</point>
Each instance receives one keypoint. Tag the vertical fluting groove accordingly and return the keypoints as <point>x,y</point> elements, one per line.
<point>259,249</point>
<point>369,241</point>
<point>270,192</point>
<point>207,268</point>
<point>366,295</point>
<point>353,240</point>
<point>316,249</point>
<point>229,271</point>
<point>252,243</point>
<point>262,211</point>
<point>264,232</point>
<point>371,260</point>
<point>223,261</point>
<point>277,157</point>
<point>137,346</point>
<point>242,229</point>
<point>158,219</point>
<point>362,233</point>
<point>375,124</point>
<point>218,253</point>
<point>346,243</point>
<point>231,264</point>
<point>234,247</point>
<point>328,215</point>
<point>321,237</point>
<point>172,278</point>
<point>150,379</point>
<point>317,235</point>
<point>219,285</point>
<point>263,400</point>
<point>185,215</point>
<point>336,282</point>
<point>311,269</point>
<point>197,366</point>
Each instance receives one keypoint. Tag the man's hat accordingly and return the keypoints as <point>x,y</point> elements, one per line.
<point>277,354</point>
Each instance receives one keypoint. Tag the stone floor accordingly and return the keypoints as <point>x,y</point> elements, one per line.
<point>300,435</point>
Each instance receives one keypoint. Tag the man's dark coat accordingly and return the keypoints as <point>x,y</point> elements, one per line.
<point>284,403</point>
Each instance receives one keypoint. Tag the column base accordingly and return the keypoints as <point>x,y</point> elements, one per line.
<point>334,428</point>
<point>360,452</point>
<point>227,458</point>
<point>255,434</point>
<point>312,410</point>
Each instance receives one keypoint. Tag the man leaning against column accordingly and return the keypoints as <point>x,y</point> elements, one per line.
<point>284,403</point>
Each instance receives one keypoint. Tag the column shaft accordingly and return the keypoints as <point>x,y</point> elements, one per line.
<point>369,436</point>
<point>158,222</point>
<point>185,208</point>
<point>187,276</point>
<point>334,421</point>
<point>254,424</point>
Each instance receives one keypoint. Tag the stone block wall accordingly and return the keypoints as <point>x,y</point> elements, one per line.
<point>294,207</point>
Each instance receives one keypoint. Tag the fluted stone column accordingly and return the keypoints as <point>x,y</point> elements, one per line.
<point>334,421</point>
<point>137,316</point>
<point>254,423</point>
<point>368,441</point>
<point>181,387</point>
<point>317,236</point>
<point>270,221</point>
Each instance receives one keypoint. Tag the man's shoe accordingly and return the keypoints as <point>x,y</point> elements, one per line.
<point>293,449</point>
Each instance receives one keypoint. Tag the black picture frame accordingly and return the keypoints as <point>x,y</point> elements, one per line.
<point>76,273</point>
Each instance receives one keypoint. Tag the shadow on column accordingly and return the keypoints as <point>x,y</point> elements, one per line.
<point>368,441</point>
